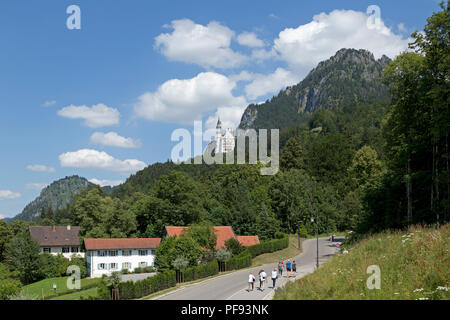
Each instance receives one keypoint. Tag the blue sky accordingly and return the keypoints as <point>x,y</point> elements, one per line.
<point>84,101</point>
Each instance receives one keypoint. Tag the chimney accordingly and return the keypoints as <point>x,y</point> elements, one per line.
<point>68,227</point>
<point>53,228</point>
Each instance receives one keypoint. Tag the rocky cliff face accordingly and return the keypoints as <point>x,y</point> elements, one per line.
<point>350,76</point>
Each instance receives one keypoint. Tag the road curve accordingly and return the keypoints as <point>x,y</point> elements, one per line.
<point>233,286</point>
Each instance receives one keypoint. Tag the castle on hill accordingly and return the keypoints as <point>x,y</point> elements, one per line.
<point>224,141</point>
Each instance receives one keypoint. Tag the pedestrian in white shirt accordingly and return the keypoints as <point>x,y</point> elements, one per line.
<point>262,279</point>
<point>274,277</point>
<point>251,282</point>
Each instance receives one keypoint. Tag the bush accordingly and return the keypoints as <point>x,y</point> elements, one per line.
<point>124,271</point>
<point>138,270</point>
<point>133,290</point>
<point>149,269</point>
<point>234,246</point>
<point>240,261</point>
<point>269,246</point>
<point>201,271</point>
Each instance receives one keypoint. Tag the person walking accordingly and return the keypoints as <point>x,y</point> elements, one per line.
<point>280,267</point>
<point>288,268</point>
<point>274,277</point>
<point>294,268</point>
<point>262,279</point>
<point>251,282</point>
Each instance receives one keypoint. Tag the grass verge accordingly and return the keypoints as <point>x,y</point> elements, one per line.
<point>414,264</point>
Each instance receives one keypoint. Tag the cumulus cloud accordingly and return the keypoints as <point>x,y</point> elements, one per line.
<point>230,117</point>
<point>98,115</point>
<point>105,183</point>
<point>112,139</point>
<point>36,186</point>
<point>207,46</point>
<point>250,39</point>
<point>271,83</point>
<point>305,46</point>
<point>49,103</point>
<point>7,194</point>
<point>93,159</point>
<point>40,168</point>
<point>183,101</point>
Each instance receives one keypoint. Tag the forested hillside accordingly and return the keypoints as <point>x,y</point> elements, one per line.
<point>350,76</point>
<point>57,195</point>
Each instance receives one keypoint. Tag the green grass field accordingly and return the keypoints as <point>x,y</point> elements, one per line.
<point>414,264</point>
<point>45,287</point>
<point>77,295</point>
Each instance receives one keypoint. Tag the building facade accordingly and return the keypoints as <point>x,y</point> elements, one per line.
<point>58,240</point>
<point>104,256</point>
<point>224,142</point>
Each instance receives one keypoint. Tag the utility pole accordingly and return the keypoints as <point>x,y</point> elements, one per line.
<point>298,234</point>
<point>317,235</point>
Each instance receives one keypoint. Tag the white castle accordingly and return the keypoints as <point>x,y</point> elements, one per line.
<point>224,142</point>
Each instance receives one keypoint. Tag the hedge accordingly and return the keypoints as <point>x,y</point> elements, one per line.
<point>269,246</point>
<point>242,260</point>
<point>201,271</point>
<point>161,281</point>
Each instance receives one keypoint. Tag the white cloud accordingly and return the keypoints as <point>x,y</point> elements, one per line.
<point>183,101</point>
<point>93,159</point>
<point>303,47</point>
<point>104,183</point>
<point>207,46</point>
<point>49,103</point>
<point>98,115</point>
<point>7,194</point>
<point>40,168</point>
<point>112,139</point>
<point>271,83</point>
<point>36,186</point>
<point>250,39</point>
<point>229,116</point>
<point>401,27</point>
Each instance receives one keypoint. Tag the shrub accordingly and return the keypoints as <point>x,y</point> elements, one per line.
<point>201,271</point>
<point>243,260</point>
<point>133,290</point>
<point>138,270</point>
<point>234,246</point>
<point>149,269</point>
<point>223,255</point>
<point>124,271</point>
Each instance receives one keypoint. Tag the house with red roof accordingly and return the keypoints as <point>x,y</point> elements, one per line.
<point>104,256</point>
<point>223,233</point>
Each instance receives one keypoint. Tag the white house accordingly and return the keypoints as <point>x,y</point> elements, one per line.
<point>57,239</point>
<point>104,256</point>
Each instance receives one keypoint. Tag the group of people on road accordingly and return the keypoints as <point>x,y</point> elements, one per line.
<point>290,267</point>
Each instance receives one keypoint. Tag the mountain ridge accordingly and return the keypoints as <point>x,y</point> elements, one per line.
<point>350,76</point>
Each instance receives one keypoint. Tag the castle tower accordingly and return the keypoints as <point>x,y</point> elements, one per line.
<point>219,144</point>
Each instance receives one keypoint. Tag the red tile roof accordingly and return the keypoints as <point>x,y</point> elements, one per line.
<point>223,233</point>
<point>248,241</point>
<point>122,243</point>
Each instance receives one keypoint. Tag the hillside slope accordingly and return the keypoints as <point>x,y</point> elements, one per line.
<point>57,195</point>
<point>414,264</point>
<point>350,76</point>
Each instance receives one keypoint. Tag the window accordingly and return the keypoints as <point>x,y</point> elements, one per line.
<point>101,266</point>
<point>48,250</point>
<point>65,249</point>
<point>102,253</point>
<point>143,252</point>
<point>126,253</point>
<point>113,266</point>
<point>142,264</point>
<point>152,252</point>
<point>113,253</point>
<point>74,249</point>
<point>126,265</point>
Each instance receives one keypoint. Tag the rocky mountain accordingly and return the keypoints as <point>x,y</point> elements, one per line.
<point>57,195</point>
<point>350,76</point>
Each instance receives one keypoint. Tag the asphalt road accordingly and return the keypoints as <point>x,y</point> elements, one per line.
<point>234,286</point>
